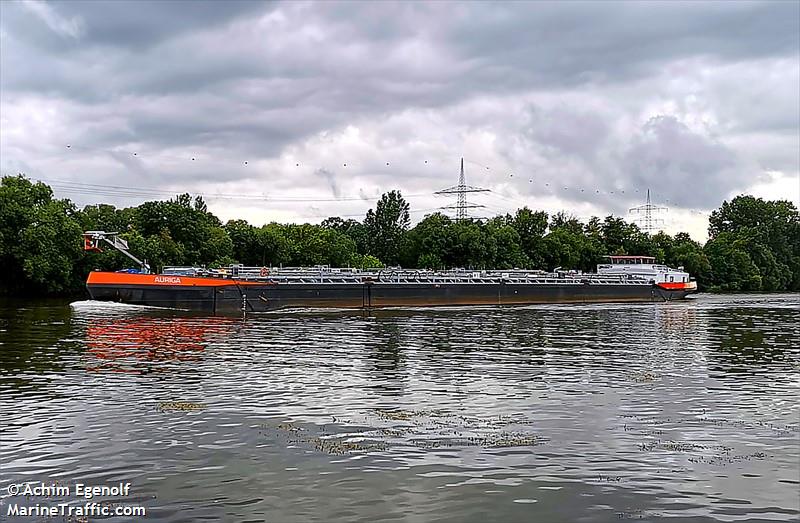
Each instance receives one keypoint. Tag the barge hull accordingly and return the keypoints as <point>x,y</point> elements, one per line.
<point>212,296</point>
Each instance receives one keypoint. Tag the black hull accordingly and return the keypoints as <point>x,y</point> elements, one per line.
<point>259,298</point>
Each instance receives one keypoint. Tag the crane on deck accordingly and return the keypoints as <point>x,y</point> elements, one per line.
<point>93,239</point>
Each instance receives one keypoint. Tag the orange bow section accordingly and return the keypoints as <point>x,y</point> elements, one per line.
<point>124,278</point>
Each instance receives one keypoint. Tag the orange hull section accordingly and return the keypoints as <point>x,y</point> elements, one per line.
<point>124,278</point>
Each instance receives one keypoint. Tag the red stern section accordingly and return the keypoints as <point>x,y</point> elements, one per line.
<point>679,286</point>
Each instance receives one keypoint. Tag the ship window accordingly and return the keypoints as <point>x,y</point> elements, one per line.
<point>671,278</point>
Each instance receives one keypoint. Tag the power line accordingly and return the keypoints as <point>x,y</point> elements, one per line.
<point>195,156</point>
<point>118,190</point>
<point>414,211</point>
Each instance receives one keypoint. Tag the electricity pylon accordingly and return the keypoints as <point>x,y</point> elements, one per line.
<point>461,191</point>
<point>647,222</point>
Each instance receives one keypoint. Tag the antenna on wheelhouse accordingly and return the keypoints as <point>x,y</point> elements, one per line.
<point>646,221</point>
<point>461,191</point>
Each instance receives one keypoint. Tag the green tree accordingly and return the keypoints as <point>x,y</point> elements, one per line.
<point>316,245</point>
<point>244,243</point>
<point>768,232</point>
<point>425,246</point>
<point>566,222</point>
<point>531,227</point>
<point>468,246</point>
<point>275,247</point>
<point>365,261</point>
<point>687,253</point>
<point>218,249</point>
<point>197,234</point>
<point>385,227</point>
<point>104,217</point>
<point>508,252</point>
<point>568,244</point>
<point>352,228</point>
<point>561,249</point>
<point>40,239</point>
<point>732,269</point>
<point>617,234</point>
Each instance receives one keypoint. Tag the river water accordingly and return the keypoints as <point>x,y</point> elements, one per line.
<point>679,411</point>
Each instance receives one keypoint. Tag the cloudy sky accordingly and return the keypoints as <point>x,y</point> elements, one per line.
<point>296,111</point>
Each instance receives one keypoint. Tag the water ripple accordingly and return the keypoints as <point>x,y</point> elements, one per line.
<point>561,413</point>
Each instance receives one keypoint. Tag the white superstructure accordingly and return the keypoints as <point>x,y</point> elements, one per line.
<point>642,267</point>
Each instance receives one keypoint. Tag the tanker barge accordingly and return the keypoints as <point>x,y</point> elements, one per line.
<point>255,289</point>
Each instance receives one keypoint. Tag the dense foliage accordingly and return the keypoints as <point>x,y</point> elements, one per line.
<point>754,244</point>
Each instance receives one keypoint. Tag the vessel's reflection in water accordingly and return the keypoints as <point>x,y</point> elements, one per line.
<point>675,322</point>
<point>147,344</point>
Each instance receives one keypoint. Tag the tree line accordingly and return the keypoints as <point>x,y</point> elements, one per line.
<point>754,245</point>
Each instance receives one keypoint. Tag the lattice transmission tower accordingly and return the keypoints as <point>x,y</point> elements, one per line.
<point>461,191</point>
<point>646,221</point>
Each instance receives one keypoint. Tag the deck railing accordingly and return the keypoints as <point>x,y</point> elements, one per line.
<point>329,275</point>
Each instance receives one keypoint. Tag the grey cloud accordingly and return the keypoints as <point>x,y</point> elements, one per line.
<point>400,55</point>
<point>71,27</point>
<point>682,166</point>
<point>567,131</point>
<point>579,159</point>
<point>119,23</point>
<point>574,42</point>
<point>330,179</point>
<point>131,163</point>
<point>236,81</point>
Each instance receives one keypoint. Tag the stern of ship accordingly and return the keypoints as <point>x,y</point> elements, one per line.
<point>676,290</point>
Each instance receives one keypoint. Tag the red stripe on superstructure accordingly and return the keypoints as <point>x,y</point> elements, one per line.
<point>124,278</point>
